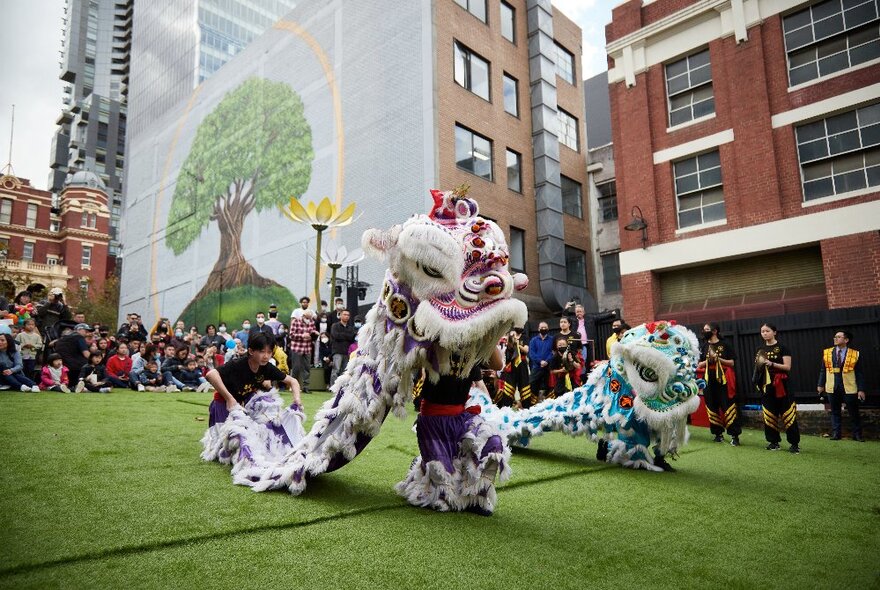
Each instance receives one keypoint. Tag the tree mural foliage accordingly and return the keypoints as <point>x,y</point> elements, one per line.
<point>253,152</point>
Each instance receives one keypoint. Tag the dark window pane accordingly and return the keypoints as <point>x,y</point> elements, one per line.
<point>828,27</point>
<point>710,177</point>
<point>798,38</point>
<point>690,202</point>
<point>864,53</point>
<point>825,9</point>
<point>843,142</point>
<point>611,272</point>
<point>831,46</point>
<point>713,212</point>
<point>842,122</point>
<point>688,166</point>
<point>851,181</point>
<point>869,114</point>
<point>679,117</point>
<point>517,250</point>
<point>704,108</point>
<point>677,84</point>
<point>699,59</point>
<point>870,135</point>
<point>690,218</point>
<point>817,170</point>
<point>701,75</point>
<point>796,20</point>
<point>676,68</point>
<point>686,184</point>
<point>810,131</point>
<point>710,160</point>
<point>813,150</point>
<point>802,57</point>
<point>860,15</point>
<point>829,65</point>
<point>803,74</point>
<point>873,176</point>
<point>818,189</point>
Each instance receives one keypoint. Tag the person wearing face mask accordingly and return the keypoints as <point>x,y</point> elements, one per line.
<point>335,315</point>
<point>262,326</point>
<point>325,356</point>
<point>716,367</point>
<point>617,332</point>
<point>564,369</point>
<point>540,355</point>
<point>242,334</point>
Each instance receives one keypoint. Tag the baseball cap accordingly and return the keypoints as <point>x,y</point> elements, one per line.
<point>56,291</point>
<point>85,327</point>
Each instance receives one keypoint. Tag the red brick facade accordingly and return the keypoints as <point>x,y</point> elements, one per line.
<point>761,172</point>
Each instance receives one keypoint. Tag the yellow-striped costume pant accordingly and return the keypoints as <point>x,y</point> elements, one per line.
<point>780,415</point>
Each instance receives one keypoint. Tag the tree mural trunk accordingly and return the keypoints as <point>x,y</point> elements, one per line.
<point>231,269</point>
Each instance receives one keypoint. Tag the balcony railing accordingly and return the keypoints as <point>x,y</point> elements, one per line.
<point>36,268</point>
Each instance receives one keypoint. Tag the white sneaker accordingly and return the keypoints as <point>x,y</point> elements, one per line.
<point>65,388</point>
<point>141,387</point>
<point>171,389</point>
<point>104,390</point>
<point>25,388</point>
<point>80,387</point>
<point>35,389</point>
<point>203,387</point>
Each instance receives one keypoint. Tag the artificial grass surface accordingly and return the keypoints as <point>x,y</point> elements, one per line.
<point>109,491</point>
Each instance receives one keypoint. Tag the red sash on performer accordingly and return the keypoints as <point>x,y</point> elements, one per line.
<point>777,383</point>
<point>431,409</point>
<point>729,379</point>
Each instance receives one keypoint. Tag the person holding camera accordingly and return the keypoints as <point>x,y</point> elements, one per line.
<point>565,368</point>
<point>133,330</point>
<point>515,374</point>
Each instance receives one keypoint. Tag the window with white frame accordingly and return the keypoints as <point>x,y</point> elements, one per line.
<point>571,197</point>
<point>514,171</point>
<point>475,7</point>
<point>86,256</point>
<point>689,88</point>
<point>473,152</point>
<point>31,219</point>
<point>27,252</point>
<point>840,154</point>
<point>508,22</point>
<point>511,95</point>
<point>568,129</point>
<point>564,64</point>
<point>6,211</point>
<point>607,200</point>
<point>54,225</point>
<point>699,190</point>
<point>575,267</point>
<point>471,71</point>
<point>611,272</point>
<point>829,37</point>
<point>51,261</point>
<point>517,249</point>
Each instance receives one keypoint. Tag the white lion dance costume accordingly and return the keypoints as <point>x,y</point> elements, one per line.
<point>445,303</point>
<point>641,396</point>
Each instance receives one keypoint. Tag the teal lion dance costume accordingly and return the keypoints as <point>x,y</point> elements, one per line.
<point>640,398</point>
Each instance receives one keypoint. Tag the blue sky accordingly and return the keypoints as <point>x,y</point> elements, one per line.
<point>31,45</point>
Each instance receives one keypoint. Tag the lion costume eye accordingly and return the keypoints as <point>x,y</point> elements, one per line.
<point>431,271</point>
<point>647,374</point>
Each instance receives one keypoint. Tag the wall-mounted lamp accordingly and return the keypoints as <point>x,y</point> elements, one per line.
<point>638,223</point>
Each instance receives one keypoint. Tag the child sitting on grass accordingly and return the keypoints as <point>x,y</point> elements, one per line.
<point>55,375</point>
<point>91,376</point>
<point>119,367</point>
<point>191,377</point>
<point>150,378</point>
<point>30,343</point>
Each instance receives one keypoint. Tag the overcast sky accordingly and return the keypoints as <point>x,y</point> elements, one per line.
<point>30,52</point>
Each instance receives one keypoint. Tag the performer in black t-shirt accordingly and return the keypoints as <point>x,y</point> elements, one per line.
<point>716,367</point>
<point>236,382</point>
<point>772,366</point>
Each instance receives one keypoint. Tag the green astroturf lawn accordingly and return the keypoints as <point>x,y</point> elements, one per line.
<point>109,491</point>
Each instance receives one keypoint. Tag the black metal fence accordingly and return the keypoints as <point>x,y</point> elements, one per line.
<point>806,335</point>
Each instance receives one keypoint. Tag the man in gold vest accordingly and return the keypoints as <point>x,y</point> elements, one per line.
<point>841,381</point>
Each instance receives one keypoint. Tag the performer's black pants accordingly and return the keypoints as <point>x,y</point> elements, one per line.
<point>852,407</point>
<point>516,378</point>
<point>723,411</point>
<point>780,414</point>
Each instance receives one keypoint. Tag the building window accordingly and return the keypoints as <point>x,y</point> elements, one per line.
<point>611,272</point>
<point>27,252</point>
<point>473,153</point>
<point>575,267</point>
<point>6,211</point>
<point>475,7</point>
<point>840,154</point>
<point>508,22</point>
<point>86,256</point>
<point>514,171</point>
<point>54,225</point>
<point>564,64</point>
<point>4,248</point>
<point>51,261</point>
<point>511,95</point>
<point>31,220</point>
<point>607,200</point>
<point>571,197</point>
<point>517,249</point>
<point>698,190</point>
<point>829,37</point>
<point>471,71</point>
<point>689,88</point>
<point>568,129</point>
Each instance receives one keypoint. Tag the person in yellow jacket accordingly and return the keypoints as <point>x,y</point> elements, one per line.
<point>618,328</point>
<point>841,380</point>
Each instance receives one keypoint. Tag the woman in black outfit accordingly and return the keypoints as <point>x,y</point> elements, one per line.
<point>772,367</point>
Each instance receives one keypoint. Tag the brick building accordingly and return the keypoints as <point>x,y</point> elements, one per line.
<point>45,246</point>
<point>748,135</point>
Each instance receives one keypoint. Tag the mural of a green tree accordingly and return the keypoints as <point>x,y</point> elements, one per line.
<point>253,152</point>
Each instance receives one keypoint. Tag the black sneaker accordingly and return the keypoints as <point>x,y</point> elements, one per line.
<point>835,437</point>
<point>663,464</point>
<point>793,449</point>
<point>479,510</point>
<point>773,447</point>
<point>602,451</point>
<point>734,442</point>
<point>718,438</point>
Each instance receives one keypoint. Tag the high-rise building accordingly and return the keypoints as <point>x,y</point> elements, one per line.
<point>375,106</point>
<point>179,44</point>
<point>91,127</point>
<point>747,135</point>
